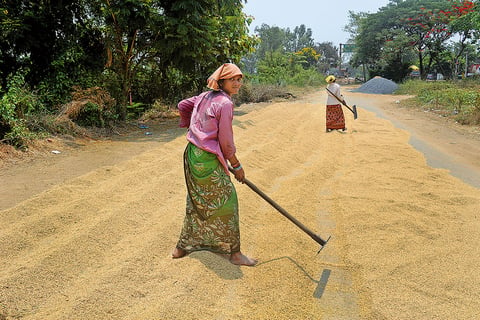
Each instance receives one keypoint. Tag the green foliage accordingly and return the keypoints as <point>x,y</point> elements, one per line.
<point>460,100</point>
<point>66,72</point>
<point>329,56</point>
<point>310,57</point>
<point>137,49</point>
<point>275,39</point>
<point>92,107</point>
<point>254,93</point>
<point>57,42</point>
<point>307,78</point>
<point>188,38</point>
<point>272,39</point>
<point>415,32</point>
<point>287,58</point>
<point>274,69</point>
<point>179,83</point>
<point>90,116</point>
<point>300,38</point>
<point>17,102</point>
<point>19,97</point>
<point>134,110</point>
<point>286,69</point>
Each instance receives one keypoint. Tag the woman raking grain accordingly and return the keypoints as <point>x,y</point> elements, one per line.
<point>211,221</point>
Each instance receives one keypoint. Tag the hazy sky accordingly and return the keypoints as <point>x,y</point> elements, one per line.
<point>326,18</point>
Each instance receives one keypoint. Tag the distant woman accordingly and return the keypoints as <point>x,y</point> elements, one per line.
<point>335,119</point>
<point>211,221</point>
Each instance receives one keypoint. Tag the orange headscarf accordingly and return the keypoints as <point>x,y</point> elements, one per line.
<point>225,71</point>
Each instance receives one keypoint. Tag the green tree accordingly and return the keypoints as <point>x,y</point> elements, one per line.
<point>199,35</point>
<point>402,27</point>
<point>52,40</point>
<point>464,24</point>
<point>300,38</point>
<point>129,32</point>
<point>309,57</point>
<point>329,56</point>
<point>272,39</point>
<point>275,40</point>
<point>157,42</point>
<point>177,43</point>
<point>368,33</point>
<point>275,63</point>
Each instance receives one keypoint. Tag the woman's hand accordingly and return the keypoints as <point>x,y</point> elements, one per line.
<point>240,175</point>
<point>236,169</point>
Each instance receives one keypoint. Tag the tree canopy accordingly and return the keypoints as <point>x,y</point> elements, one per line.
<point>281,49</point>
<point>120,44</point>
<point>142,51</point>
<point>407,31</point>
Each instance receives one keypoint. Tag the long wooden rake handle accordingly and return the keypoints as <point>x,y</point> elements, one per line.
<point>353,109</point>
<point>284,212</point>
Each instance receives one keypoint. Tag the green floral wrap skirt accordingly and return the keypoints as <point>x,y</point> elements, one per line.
<point>211,220</point>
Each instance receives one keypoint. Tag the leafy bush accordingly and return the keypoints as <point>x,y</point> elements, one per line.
<point>286,69</point>
<point>307,78</point>
<point>159,111</point>
<point>457,99</point>
<point>471,115</point>
<point>16,103</point>
<point>135,109</point>
<point>253,93</point>
<point>90,107</point>
<point>416,87</point>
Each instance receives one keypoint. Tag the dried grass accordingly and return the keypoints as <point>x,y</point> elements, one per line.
<point>81,97</point>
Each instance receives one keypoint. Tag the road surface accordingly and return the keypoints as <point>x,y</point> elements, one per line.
<point>87,233</point>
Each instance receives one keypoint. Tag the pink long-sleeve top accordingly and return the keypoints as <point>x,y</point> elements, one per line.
<point>209,117</point>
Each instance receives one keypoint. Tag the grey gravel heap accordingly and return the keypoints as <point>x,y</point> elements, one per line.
<point>378,85</point>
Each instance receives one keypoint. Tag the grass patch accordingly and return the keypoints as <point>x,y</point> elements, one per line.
<point>255,93</point>
<point>459,100</point>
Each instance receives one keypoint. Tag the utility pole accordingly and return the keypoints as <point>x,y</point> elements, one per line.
<point>340,63</point>
<point>466,65</point>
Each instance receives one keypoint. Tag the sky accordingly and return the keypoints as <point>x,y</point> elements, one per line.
<point>326,18</point>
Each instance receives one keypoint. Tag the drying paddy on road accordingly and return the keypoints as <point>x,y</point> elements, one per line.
<point>404,235</point>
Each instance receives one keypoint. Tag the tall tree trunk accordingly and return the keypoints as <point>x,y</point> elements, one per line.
<point>420,65</point>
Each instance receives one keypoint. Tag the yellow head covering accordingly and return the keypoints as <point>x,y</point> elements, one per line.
<point>330,79</point>
<point>225,71</point>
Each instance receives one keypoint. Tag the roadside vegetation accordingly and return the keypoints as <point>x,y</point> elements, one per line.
<point>81,68</point>
<point>434,36</point>
<point>458,100</point>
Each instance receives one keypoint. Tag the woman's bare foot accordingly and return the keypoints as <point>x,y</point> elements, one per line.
<point>178,253</point>
<point>240,259</point>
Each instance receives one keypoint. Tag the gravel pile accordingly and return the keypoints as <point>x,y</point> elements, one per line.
<point>378,85</point>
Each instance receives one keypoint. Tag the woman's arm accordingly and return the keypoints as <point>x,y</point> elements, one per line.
<point>185,107</point>
<point>226,141</point>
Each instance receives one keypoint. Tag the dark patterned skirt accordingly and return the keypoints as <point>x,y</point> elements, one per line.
<point>211,220</point>
<point>335,118</point>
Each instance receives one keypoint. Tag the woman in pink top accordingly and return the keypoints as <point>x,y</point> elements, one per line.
<point>211,221</point>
